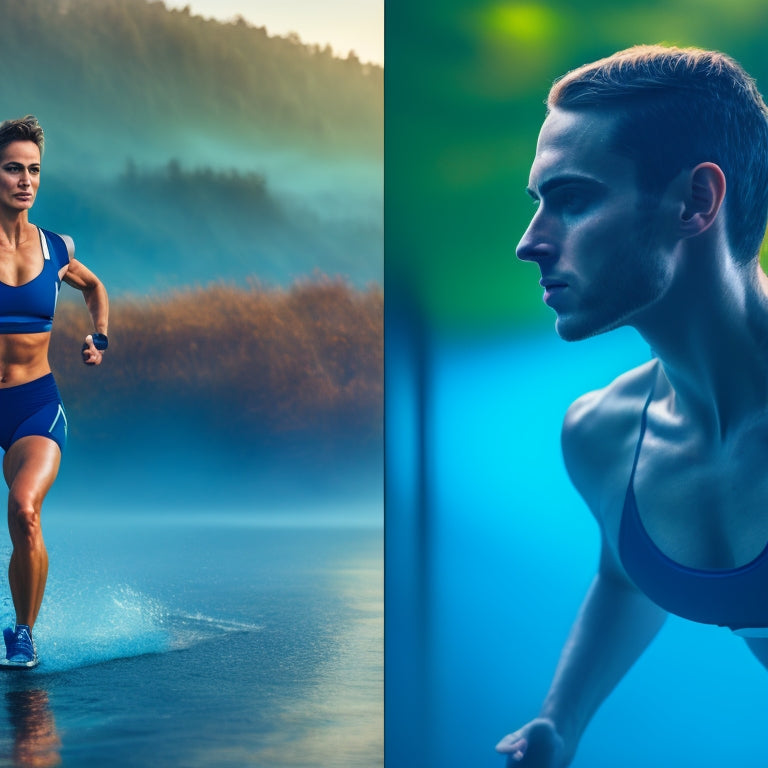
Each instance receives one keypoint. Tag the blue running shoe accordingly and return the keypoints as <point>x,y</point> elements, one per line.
<point>19,647</point>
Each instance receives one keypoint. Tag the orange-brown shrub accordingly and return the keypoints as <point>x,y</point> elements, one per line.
<point>247,361</point>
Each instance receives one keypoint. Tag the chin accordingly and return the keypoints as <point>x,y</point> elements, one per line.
<point>570,329</point>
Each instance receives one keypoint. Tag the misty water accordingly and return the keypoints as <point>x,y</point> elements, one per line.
<point>196,636</point>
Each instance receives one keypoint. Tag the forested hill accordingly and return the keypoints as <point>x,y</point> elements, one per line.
<point>104,74</point>
<point>182,150</point>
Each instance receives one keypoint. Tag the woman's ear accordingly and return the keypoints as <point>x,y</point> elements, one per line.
<point>704,194</point>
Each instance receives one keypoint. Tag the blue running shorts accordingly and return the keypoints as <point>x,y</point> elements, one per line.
<point>34,408</point>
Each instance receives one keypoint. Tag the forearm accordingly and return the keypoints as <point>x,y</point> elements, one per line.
<point>614,626</point>
<point>98,305</point>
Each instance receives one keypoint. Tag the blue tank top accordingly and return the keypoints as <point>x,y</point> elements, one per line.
<point>736,598</point>
<point>29,308</point>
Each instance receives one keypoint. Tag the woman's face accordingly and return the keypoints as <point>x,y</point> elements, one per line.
<point>19,175</point>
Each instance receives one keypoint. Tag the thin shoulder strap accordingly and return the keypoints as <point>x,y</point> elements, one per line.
<point>56,243</point>
<point>643,422</point>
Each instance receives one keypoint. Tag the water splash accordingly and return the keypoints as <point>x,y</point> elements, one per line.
<point>78,628</point>
<point>107,622</point>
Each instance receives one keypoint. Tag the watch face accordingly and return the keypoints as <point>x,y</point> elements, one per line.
<point>100,341</point>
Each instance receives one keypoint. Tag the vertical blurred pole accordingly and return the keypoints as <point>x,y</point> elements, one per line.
<point>407,507</point>
<point>407,684</point>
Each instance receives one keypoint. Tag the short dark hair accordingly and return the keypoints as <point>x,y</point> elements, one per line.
<point>21,129</point>
<point>678,107</point>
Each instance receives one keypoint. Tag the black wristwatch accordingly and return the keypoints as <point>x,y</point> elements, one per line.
<point>100,341</point>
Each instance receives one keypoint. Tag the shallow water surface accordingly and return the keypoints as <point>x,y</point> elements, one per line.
<point>203,640</point>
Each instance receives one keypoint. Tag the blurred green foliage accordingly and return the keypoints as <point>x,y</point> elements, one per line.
<point>465,84</point>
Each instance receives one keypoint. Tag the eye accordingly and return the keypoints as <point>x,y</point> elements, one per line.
<point>570,199</point>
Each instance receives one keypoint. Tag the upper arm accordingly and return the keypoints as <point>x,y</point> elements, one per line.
<point>598,438</point>
<point>600,433</point>
<point>584,438</point>
<point>81,278</point>
<point>582,441</point>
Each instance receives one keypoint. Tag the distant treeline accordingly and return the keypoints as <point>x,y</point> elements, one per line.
<point>146,110</point>
<point>246,367</point>
<point>173,225</point>
<point>245,190</point>
<point>106,73</point>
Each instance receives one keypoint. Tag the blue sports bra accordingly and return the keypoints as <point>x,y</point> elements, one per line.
<point>733,597</point>
<point>29,308</point>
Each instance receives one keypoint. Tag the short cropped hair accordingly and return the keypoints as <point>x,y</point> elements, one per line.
<point>678,107</point>
<point>21,129</point>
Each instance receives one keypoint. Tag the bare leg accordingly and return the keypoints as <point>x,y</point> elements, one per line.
<point>30,466</point>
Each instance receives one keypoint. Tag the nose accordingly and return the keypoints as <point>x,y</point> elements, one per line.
<point>536,243</point>
<point>25,179</point>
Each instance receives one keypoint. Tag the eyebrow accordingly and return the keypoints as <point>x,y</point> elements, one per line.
<point>561,181</point>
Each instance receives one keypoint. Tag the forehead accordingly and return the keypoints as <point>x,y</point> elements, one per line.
<point>25,152</point>
<point>579,143</point>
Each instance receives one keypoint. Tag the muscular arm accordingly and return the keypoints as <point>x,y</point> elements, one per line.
<point>614,626</point>
<point>95,294</point>
<point>616,622</point>
<point>81,278</point>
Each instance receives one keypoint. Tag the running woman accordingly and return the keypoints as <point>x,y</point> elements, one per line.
<point>33,425</point>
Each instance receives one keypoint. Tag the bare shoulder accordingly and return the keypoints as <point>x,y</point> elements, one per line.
<point>600,431</point>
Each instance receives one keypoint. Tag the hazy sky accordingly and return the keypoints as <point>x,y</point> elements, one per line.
<point>356,25</point>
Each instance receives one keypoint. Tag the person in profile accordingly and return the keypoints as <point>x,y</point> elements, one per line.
<point>33,425</point>
<point>650,181</point>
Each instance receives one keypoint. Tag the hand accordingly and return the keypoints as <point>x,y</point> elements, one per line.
<point>535,745</point>
<point>91,355</point>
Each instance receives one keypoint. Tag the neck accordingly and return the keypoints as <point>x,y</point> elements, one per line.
<point>13,227</point>
<point>710,333</point>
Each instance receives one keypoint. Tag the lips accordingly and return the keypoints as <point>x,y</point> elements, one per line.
<point>553,287</point>
<point>551,282</point>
